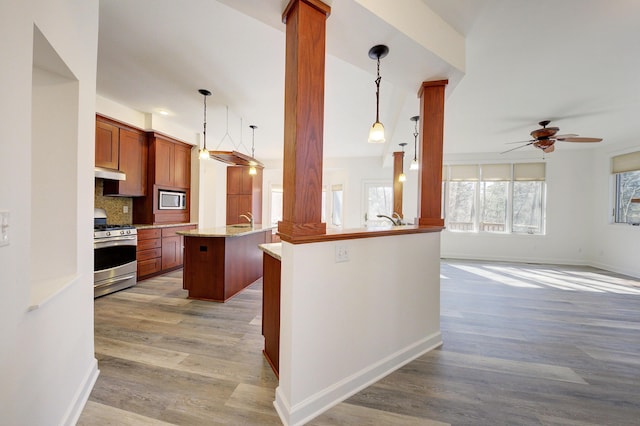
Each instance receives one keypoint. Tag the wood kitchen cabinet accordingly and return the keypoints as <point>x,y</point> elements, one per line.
<point>169,167</point>
<point>107,145</point>
<point>133,162</point>
<point>160,250</point>
<point>244,194</point>
<point>172,163</point>
<point>124,148</point>
<point>149,252</point>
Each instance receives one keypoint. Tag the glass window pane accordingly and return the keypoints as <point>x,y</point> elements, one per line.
<point>379,201</point>
<point>628,197</point>
<point>276,207</point>
<point>461,211</point>
<point>336,214</point>
<point>527,207</point>
<point>493,200</point>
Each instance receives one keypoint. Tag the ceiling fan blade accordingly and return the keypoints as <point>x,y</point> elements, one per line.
<point>568,135</point>
<point>518,147</point>
<point>580,139</point>
<point>530,140</point>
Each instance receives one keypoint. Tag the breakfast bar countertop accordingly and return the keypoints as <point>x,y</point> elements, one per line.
<point>225,231</point>
<point>272,249</point>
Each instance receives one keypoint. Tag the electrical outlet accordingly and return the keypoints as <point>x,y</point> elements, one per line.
<point>4,227</point>
<point>342,253</point>
<point>125,209</point>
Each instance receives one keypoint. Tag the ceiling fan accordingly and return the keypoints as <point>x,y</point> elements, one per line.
<point>546,137</point>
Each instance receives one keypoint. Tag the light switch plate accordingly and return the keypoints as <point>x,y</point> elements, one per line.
<point>342,253</point>
<point>4,227</point>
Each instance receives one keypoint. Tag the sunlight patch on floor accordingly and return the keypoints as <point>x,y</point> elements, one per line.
<point>562,279</point>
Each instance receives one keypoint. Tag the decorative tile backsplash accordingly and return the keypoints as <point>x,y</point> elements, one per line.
<point>114,206</point>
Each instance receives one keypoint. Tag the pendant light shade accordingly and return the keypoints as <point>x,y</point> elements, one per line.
<point>414,163</point>
<point>376,133</point>
<point>204,153</point>
<point>252,164</point>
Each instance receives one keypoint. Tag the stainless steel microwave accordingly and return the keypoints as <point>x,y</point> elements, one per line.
<point>172,200</point>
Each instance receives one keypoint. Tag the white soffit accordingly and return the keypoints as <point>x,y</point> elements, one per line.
<point>421,24</point>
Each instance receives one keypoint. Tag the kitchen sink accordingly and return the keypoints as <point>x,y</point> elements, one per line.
<point>240,225</point>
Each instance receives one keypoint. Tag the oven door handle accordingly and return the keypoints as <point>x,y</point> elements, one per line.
<point>116,280</point>
<point>116,241</point>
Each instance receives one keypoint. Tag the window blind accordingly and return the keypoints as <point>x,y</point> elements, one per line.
<point>496,172</point>
<point>529,171</point>
<point>626,162</point>
<point>464,172</point>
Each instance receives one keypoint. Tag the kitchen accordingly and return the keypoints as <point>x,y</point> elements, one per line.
<point>410,244</point>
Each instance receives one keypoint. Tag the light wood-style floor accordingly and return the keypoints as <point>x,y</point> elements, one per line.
<point>523,345</point>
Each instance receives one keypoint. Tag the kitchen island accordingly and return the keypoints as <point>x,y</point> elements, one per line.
<point>220,262</point>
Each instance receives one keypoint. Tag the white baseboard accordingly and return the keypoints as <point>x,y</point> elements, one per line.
<point>338,392</point>
<point>82,395</point>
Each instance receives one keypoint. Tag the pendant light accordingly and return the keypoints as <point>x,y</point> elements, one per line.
<point>402,177</point>
<point>204,154</point>
<point>252,164</point>
<point>376,133</point>
<point>414,163</point>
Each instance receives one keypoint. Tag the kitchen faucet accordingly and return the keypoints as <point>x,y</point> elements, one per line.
<point>249,217</point>
<point>395,223</point>
<point>399,221</point>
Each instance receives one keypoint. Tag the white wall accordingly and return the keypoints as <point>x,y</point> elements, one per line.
<point>579,229</point>
<point>352,173</point>
<point>346,325</point>
<point>615,246</point>
<point>47,362</point>
<point>569,211</point>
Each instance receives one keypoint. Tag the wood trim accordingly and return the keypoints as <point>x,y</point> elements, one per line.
<point>431,139</point>
<point>359,233</point>
<point>303,118</point>
<point>317,4</point>
<point>398,162</point>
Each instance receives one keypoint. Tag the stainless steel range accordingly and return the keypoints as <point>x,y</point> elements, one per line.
<point>114,254</point>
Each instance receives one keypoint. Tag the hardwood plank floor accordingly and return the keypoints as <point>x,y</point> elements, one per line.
<point>523,344</point>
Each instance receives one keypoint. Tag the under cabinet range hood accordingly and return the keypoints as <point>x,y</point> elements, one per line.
<point>101,172</point>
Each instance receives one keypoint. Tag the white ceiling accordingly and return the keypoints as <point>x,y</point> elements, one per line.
<point>573,61</point>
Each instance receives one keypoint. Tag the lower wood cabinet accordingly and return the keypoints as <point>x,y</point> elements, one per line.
<point>160,250</point>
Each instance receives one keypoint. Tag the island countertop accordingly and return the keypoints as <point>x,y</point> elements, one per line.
<point>225,231</point>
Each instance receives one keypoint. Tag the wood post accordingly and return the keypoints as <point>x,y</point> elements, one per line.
<point>431,94</point>
<point>398,160</point>
<point>303,119</point>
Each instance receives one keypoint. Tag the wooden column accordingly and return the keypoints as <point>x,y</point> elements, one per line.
<point>431,96</point>
<point>398,160</point>
<point>303,119</point>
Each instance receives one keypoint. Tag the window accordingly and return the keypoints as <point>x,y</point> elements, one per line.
<point>627,188</point>
<point>276,204</point>
<point>378,200</point>
<point>336,203</point>
<point>501,198</point>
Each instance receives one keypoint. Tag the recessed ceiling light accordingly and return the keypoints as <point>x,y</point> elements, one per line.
<point>163,112</point>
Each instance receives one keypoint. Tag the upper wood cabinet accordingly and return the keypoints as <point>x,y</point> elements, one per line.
<point>123,148</point>
<point>172,162</point>
<point>133,162</point>
<point>107,145</point>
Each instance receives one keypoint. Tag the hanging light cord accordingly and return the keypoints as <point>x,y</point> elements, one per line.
<point>378,93</point>
<point>204,132</point>
<point>415,142</point>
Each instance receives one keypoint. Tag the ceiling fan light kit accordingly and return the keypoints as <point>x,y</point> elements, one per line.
<point>546,137</point>
<point>376,133</point>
